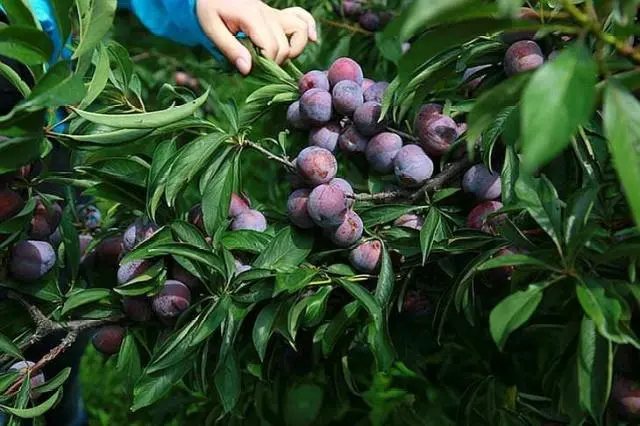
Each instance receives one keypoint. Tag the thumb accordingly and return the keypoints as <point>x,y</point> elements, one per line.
<point>226,42</point>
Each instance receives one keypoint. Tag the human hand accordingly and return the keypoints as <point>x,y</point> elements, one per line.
<point>280,34</point>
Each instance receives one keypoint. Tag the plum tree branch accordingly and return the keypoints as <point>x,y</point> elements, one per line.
<point>347,27</point>
<point>430,185</point>
<point>269,154</point>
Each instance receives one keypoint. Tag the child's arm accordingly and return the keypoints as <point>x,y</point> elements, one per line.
<point>280,34</point>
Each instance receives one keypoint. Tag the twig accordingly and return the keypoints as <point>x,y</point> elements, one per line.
<point>269,154</point>
<point>348,27</point>
<point>432,184</point>
<point>595,28</point>
<point>403,135</point>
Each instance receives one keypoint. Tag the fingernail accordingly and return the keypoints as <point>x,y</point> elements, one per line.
<point>243,65</point>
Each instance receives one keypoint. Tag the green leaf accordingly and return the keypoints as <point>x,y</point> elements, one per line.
<point>71,242</point>
<point>338,325</point>
<point>14,78</point>
<point>512,312</point>
<point>383,214</point>
<point>249,241</point>
<point>263,328</point>
<point>37,411</point>
<point>148,120</point>
<point>302,404</point>
<point>84,297</point>
<point>386,281</point>
<point>190,252</point>
<point>8,347</point>
<point>95,25</point>
<point>580,206</point>
<point>562,95</point>
<point>514,260</point>
<point>58,87</point>
<point>622,127</point>
<point>609,310</point>
<point>228,382</point>
<point>217,197</point>
<point>293,281</point>
<point>211,321</point>
<point>287,250</point>
<point>362,295</point>
<point>18,12</point>
<point>24,44</point>
<point>595,370</point>
<point>61,10</point>
<point>429,232</point>
<point>152,387</point>
<point>57,381</point>
<point>129,364</point>
<point>99,79</point>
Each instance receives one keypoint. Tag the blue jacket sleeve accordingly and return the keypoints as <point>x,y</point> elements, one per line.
<point>173,19</point>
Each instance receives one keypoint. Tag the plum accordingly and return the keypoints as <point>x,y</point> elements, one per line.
<point>346,188</point>
<point>316,165</point>
<point>417,304</point>
<point>31,260</point>
<point>241,267</point>
<point>297,209</point>
<point>522,56</point>
<point>325,137</point>
<point>131,270</point>
<point>138,232</point>
<point>179,273</point>
<point>316,107</point>
<point>473,78</point>
<point>425,114</point>
<point>37,379</point>
<point>351,140</point>
<point>479,218</point>
<point>382,150</point>
<point>90,216</point>
<point>412,166</point>
<point>345,69</point>
<point>411,221</point>
<point>349,232</point>
<point>10,204</point>
<point>45,220</point>
<point>239,204</point>
<point>313,80</point>
<point>195,217</point>
<point>352,8</point>
<point>108,252</point>
<point>366,257</point>
<point>367,119</point>
<point>626,395</point>
<point>137,308</point>
<point>370,21</point>
<point>327,206</point>
<point>376,92</point>
<point>294,117</point>
<point>366,84</point>
<point>181,78</point>
<point>437,134</point>
<point>251,220</point>
<point>347,97</point>
<point>482,183</point>
<point>173,299</point>
<point>108,339</point>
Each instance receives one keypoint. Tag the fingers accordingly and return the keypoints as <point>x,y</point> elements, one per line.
<point>307,18</point>
<point>225,41</point>
<point>283,49</point>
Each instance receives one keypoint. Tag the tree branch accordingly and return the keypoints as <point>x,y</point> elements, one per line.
<point>347,27</point>
<point>269,154</point>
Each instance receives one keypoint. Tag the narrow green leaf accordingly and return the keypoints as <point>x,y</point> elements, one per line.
<point>514,260</point>
<point>228,382</point>
<point>263,328</point>
<point>8,347</point>
<point>217,196</point>
<point>431,228</point>
<point>287,250</point>
<point>37,411</point>
<point>84,297</point>
<point>96,25</point>
<point>57,381</point>
<point>99,79</point>
<point>386,281</point>
<point>24,44</point>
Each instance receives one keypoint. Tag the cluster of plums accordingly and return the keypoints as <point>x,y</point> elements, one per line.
<point>361,12</point>
<point>176,293</point>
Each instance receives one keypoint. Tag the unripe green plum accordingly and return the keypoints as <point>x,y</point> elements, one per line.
<point>10,204</point>
<point>325,137</point>
<point>108,339</point>
<point>412,166</point>
<point>411,221</point>
<point>523,56</point>
<point>352,141</point>
<point>137,308</point>
<point>251,220</point>
<point>345,69</point>
<point>367,119</point>
<point>382,150</point>
<point>366,257</point>
<point>294,117</point>
<point>327,206</point>
<point>239,204</point>
<point>297,209</point>
<point>313,80</point>
<point>316,107</point>
<point>375,93</point>
<point>347,97</point>
<point>45,220</point>
<point>131,270</point>
<point>482,183</point>
<point>173,299</point>
<point>482,217</point>
<point>349,232</point>
<point>31,260</point>
<point>316,165</point>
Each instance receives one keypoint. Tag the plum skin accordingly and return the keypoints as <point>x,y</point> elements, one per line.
<point>411,221</point>
<point>173,299</point>
<point>345,69</point>
<point>349,232</point>
<point>375,93</point>
<point>382,150</point>
<point>251,220</point>
<point>346,188</point>
<point>297,209</point>
<point>325,137</point>
<point>108,339</point>
<point>412,166</point>
<point>367,119</point>
<point>482,183</point>
<point>327,206</point>
<point>316,106</point>
<point>313,80</point>
<point>131,270</point>
<point>316,165</point>
<point>36,380</point>
<point>366,257</point>
<point>294,116</point>
<point>437,134</point>
<point>239,204</point>
<point>31,260</point>
<point>522,56</point>
<point>351,140</point>
<point>10,204</point>
<point>45,220</point>
<point>479,219</point>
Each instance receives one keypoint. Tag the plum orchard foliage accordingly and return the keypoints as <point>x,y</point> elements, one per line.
<point>516,323</point>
